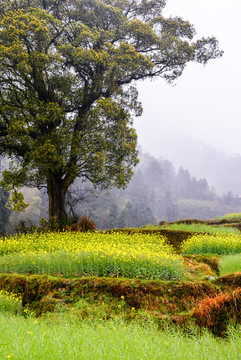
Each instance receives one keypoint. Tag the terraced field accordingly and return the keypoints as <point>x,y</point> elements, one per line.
<point>121,279</point>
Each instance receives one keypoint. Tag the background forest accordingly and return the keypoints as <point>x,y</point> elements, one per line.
<point>156,192</point>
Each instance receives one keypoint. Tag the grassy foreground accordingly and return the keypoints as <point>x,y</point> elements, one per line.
<point>62,338</point>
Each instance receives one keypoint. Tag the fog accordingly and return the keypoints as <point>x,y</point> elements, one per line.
<point>203,109</point>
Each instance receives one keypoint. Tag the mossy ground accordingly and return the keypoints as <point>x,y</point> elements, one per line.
<point>109,298</point>
<point>182,303</point>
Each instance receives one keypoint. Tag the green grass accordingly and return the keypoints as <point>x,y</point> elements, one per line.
<point>229,264</point>
<point>53,339</point>
<point>197,228</point>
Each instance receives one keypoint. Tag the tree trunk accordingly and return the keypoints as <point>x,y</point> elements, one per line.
<point>57,194</point>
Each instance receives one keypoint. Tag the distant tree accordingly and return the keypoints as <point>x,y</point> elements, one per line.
<point>184,182</point>
<point>112,218</point>
<point>126,216</point>
<point>169,177</point>
<point>203,191</point>
<point>4,211</point>
<point>143,215</point>
<point>31,214</point>
<point>231,199</point>
<point>170,206</point>
<point>66,100</point>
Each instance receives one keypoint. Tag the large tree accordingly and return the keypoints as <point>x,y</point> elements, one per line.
<point>68,70</point>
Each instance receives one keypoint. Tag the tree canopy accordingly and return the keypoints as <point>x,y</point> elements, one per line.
<point>67,86</point>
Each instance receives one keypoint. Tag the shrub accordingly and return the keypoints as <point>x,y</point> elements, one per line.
<point>73,227</point>
<point>25,226</point>
<point>86,224</point>
<point>216,313</point>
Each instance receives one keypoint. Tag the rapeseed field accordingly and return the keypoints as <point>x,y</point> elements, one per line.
<point>91,254</point>
<point>219,244</point>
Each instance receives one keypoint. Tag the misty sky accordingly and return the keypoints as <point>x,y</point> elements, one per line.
<point>205,104</point>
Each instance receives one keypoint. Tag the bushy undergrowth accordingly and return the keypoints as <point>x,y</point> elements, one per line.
<point>212,244</point>
<point>68,254</point>
<point>216,313</point>
<point>107,297</point>
<point>81,223</point>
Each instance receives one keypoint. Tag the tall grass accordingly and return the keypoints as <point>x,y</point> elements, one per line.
<point>163,265</point>
<point>212,244</point>
<point>11,303</point>
<point>37,339</point>
<point>229,264</point>
<point>230,216</point>
<point>93,254</point>
<point>201,228</point>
